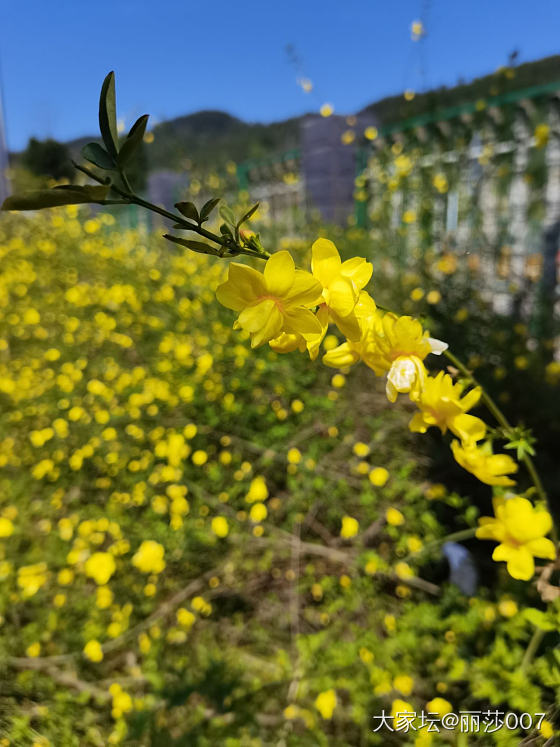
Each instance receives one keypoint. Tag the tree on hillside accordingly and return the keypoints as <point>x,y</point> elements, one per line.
<point>47,158</point>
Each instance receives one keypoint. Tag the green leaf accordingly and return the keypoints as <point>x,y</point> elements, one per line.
<point>189,210</point>
<point>97,155</point>
<point>538,619</point>
<point>208,207</point>
<point>226,230</point>
<point>227,215</point>
<point>87,172</point>
<point>36,199</point>
<point>247,215</point>
<point>108,115</point>
<point>133,140</point>
<point>195,246</point>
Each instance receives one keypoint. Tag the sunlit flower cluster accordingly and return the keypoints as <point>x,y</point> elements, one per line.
<point>292,310</point>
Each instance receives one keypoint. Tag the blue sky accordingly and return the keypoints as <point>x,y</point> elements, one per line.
<point>175,57</point>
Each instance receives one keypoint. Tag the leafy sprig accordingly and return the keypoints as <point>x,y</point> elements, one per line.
<point>114,188</point>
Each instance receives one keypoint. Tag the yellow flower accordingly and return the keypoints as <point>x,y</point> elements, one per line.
<point>100,566</point>
<point>289,343</point>
<point>31,578</point>
<point>201,605</point>
<point>93,651</point>
<point>33,650</point>
<point>404,684</point>
<point>403,570</point>
<point>447,263</point>
<point>507,608</point>
<point>397,338</point>
<point>361,449</point>
<point>149,557</point>
<point>542,133</point>
<point>440,404</point>
<point>104,597</point>
<point>342,283</point>
<point>325,703</point>
<point>220,526</point>
<point>546,729</point>
<point>199,457</point>
<point>440,183</point>
<point>258,512</point>
<point>402,713</point>
<point>276,301</point>
<point>394,517</point>
<point>520,528</point>
<point>185,617</point>
<point>409,216</point>
<point>350,527</point>
<point>378,476</point>
<point>482,463</point>
<point>258,490</point>
<point>440,706</point>
<point>65,576</point>
<point>6,527</point>
<point>416,30</point>
<point>122,702</point>
<point>406,375</point>
<point>389,344</point>
<point>433,297</point>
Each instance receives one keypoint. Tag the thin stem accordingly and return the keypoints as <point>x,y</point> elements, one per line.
<point>506,425</point>
<point>532,648</point>
<point>125,181</point>
<point>129,197</point>
<point>488,401</point>
<point>197,229</point>
<point>463,534</point>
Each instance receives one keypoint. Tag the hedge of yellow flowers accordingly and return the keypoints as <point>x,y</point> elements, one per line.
<point>204,544</point>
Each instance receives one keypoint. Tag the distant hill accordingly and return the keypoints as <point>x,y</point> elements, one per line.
<point>208,139</point>
<point>396,108</point>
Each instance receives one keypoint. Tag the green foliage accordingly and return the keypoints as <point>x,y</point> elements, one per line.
<point>108,115</point>
<point>133,140</point>
<point>122,340</point>
<point>47,158</point>
<point>63,195</point>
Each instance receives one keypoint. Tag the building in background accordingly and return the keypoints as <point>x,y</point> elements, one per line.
<point>328,162</point>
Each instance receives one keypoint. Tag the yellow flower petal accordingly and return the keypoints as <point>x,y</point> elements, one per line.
<point>253,317</point>
<point>243,286</point>
<point>348,325</point>
<point>341,356</point>
<point>542,548</point>
<point>279,273</point>
<point>287,343</point>
<point>325,261</point>
<point>263,320</point>
<point>521,564</point>
<point>342,296</point>
<point>468,427</point>
<point>471,398</point>
<point>302,321</point>
<point>358,270</point>
<point>305,290</point>
<point>418,423</point>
